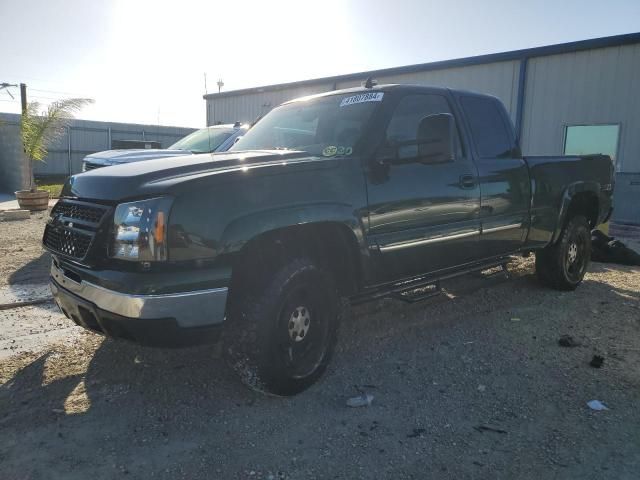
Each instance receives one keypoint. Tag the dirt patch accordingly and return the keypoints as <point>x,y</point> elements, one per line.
<point>23,258</point>
<point>33,329</point>
<point>470,384</point>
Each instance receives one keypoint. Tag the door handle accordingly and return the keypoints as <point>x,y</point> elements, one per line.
<point>467,181</point>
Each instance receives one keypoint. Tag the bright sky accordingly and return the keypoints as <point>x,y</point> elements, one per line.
<point>144,61</point>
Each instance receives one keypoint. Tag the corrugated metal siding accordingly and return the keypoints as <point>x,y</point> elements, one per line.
<point>248,107</point>
<point>13,172</point>
<point>499,79</point>
<point>626,197</point>
<point>85,137</point>
<point>594,86</point>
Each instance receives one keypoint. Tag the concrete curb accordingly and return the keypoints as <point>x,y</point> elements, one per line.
<point>11,215</point>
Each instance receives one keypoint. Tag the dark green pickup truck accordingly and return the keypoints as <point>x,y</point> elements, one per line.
<point>354,194</point>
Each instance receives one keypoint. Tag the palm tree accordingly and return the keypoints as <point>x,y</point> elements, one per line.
<point>40,131</point>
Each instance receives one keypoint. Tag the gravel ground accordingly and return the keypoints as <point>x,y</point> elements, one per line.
<point>470,384</point>
<point>22,259</point>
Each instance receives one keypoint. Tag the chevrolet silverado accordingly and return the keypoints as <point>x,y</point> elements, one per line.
<point>350,195</point>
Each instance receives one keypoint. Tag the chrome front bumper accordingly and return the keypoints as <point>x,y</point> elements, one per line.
<point>198,308</point>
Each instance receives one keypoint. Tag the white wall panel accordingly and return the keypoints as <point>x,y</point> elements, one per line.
<point>588,87</point>
<point>249,106</point>
<point>499,79</point>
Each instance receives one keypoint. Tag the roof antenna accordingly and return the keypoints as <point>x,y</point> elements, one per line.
<point>369,83</point>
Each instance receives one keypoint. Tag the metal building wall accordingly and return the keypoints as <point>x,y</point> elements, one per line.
<point>589,87</point>
<point>248,107</point>
<point>13,172</point>
<point>499,79</point>
<point>82,138</point>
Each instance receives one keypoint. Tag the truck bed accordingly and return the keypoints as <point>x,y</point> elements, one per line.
<point>554,179</point>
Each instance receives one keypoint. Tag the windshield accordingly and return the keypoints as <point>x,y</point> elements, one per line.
<point>203,141</point>
<point>327,126</point>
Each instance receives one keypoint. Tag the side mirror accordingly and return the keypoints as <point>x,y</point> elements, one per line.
<point>435,137</point>
<point>434,143</point>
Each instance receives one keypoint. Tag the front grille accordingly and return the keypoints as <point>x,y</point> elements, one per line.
<point>78,211</point>
<point>72,228</point>
<point>66,242</point>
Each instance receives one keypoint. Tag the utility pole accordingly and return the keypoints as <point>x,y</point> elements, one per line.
<point>23,97</point>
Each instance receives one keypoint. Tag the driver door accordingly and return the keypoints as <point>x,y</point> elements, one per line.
<point>423,217</point>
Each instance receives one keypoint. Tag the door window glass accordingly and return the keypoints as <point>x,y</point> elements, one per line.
<point>589,139</point>
<point>488,129</point>
<point>403,125</point>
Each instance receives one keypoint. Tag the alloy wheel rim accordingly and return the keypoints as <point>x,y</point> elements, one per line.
<point>575,258</point>
<point>572,253</point>
<point>305,325</point>
<point>299,323</point>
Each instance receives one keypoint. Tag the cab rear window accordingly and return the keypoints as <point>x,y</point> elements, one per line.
<point>488,129</point>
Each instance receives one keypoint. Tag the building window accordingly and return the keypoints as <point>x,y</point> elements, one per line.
<point>589,139</point>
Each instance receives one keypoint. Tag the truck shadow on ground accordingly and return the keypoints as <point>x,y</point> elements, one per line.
<point>144,396</point>
<point>123,376</point>
<point>36,271</point>
<point>122,405</point>
<point>118,370</point>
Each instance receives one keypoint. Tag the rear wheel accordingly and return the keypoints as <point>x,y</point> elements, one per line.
<point>563,265</point>
<point>281,335</point>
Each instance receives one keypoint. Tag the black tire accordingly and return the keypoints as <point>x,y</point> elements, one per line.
<point>563,265</point>
<point>281,335</point>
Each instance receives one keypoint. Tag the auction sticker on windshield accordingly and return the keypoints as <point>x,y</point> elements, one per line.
<point>362,98</point>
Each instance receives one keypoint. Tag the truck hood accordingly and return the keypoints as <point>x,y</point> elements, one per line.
<point>168,175</point>
<point>115,157</point>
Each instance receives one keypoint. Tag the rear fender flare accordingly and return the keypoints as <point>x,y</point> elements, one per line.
<point>567,196</point>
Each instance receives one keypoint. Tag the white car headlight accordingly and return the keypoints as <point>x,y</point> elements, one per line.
<point>140,230</point>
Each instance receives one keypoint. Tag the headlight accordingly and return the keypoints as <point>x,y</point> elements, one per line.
<point>84,166</point>
<point>140,230</point>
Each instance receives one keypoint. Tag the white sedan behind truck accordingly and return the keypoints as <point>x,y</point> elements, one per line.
<point>218,138</point>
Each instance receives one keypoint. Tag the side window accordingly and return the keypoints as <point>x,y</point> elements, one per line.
<point>404,122</point>
<point>489,132</point>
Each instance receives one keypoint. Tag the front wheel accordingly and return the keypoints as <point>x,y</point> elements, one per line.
<point>282,334</point>
<point>563,265</point>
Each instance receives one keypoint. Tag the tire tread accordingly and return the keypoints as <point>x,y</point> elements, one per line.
<point>549,261</point>
<point>247,336</point>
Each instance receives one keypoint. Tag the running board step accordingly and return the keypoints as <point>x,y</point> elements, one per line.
<point>418,294</point>
<point>410,291</point>
<point>422,287</point>
<point>493,271</point>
